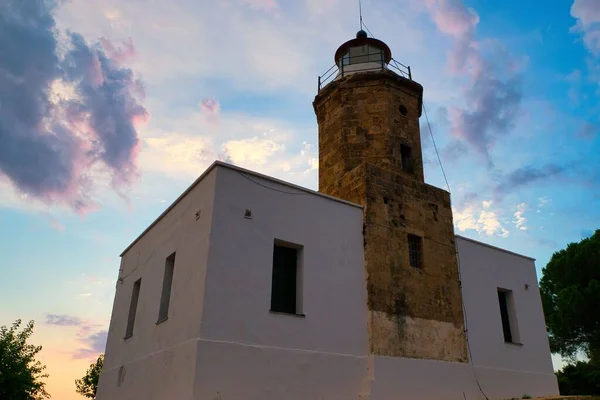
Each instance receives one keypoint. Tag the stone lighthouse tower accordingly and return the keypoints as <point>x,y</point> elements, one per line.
<point>370,153</point>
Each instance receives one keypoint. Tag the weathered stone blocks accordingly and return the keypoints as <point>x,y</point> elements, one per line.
<point>364,119</point>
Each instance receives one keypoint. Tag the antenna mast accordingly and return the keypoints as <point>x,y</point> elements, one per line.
<point>360,13</point>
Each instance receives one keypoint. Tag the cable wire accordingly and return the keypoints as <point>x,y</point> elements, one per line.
<point>368,30</point>
<point>435,147</point>
<point>270,188</point>
<point>458,263</point>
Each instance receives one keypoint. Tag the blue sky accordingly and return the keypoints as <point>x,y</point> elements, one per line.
<point>511,89</point>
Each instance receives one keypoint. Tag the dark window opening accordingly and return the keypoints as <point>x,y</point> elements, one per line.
<point>121,376</point>
<point>165,297</point>
<point>502,299</point>
<point>285,277</point>
<point>403,110</point>
<point>406,156</point>
<point>415,251</point>
<point>135,294</point>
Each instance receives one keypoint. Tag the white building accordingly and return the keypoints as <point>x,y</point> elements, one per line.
<point>248,287</point>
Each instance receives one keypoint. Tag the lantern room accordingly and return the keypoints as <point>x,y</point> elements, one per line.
<point>362,54</point>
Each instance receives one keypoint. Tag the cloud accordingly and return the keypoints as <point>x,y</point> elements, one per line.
<point>520,220</point>
<point>588,131</point>
<point>453,18</point>
<point>90,336</point>
<point>211,109</point>
<point>543,202</point>
<point>468,198</point>
<point>178,154</point>
<point>93,279</point>
<point>524,176</point>
<point>119,54</point>
<point>57,225</point>
<point>210,106</point>
<point>320,6</point>
<point>494,95</point>
<point>63,320</point>
<point>255,151</point>
<point>587,14</point>
<point>454,150</point>
<point>184,147</point>
<point>480,219</point>
<point>93,343</point>
<point>264,5</point>
<point>107,106</point>
<point>51,141</point>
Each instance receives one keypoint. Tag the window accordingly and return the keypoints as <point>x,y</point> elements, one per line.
<point>375,54</point>
<point>406,158</point>
<point>285,295</point>
<point>508,315</point>
<point>345,60</point>
<point>165,297</point>
<point>121,376</point>
<point>403,110</point>
<point>135,294</point>
<point>415,251</point>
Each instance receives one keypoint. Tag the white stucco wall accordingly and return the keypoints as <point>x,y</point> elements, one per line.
<point>279,356</point>
<point>527,367</point>
<point>159,359</point>
<point>221,341</point>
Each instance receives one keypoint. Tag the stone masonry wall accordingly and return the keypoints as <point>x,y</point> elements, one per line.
<point>363,119</point>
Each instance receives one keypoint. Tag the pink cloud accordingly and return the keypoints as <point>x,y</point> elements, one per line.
<point>492,103</point>
<point>63,320</point>
<point>51,146</point>
<point>119,54</point>
<point>452,18</point>
<point>91,337</point>
<point>57,225</point>
<point>210,106</point>
<point>211,109</point>
<point>93,343</point>
<point>96,76</point>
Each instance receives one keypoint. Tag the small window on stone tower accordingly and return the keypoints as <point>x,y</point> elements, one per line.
<point>286,280</point>
<point>406,156</point>
<point>415,251</point>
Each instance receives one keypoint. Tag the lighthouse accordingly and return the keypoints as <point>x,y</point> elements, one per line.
<point>370,153</point>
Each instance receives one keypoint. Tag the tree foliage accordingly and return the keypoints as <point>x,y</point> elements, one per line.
<point>580,378</point>
<point>88,385</point>
<point>20,373</point>
<point>570,289</point>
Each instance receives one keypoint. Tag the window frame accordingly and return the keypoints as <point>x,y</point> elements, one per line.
<point>166,290</point>
<point>508,316</point>
<point>413,240</point>
<point>298,250</point>
<point>133,305</point>
<point>406,158</point>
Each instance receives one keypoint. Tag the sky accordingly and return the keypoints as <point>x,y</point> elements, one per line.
<point>109,109</point>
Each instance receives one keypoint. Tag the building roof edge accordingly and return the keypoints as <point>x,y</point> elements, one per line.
<point>242,171</point>
<point>494,247</point>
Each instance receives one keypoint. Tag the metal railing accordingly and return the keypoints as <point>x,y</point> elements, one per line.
<point>343,70</point>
